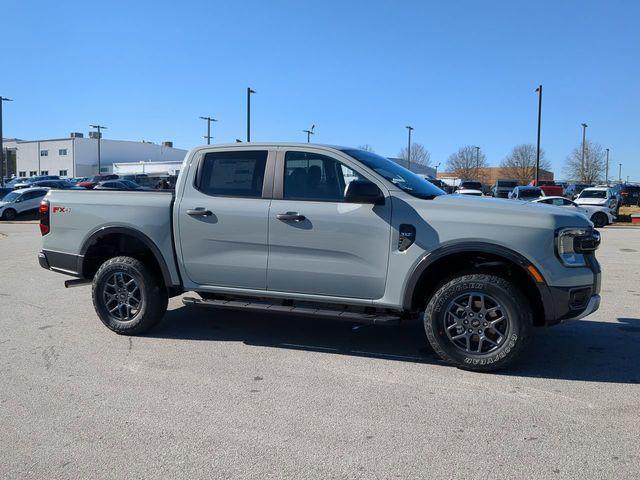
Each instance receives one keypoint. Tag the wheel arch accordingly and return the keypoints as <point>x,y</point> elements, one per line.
<point>121,240</point>
<point>462,256</point>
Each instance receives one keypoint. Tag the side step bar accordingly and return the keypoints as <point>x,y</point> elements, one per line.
<point>345,315</point>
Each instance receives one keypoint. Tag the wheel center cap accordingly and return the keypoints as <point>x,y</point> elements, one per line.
<point>475,323</point>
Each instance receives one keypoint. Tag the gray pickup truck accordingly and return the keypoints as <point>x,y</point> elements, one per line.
<point>327,232</point>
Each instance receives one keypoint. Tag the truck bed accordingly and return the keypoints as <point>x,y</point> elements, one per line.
<point>77,215</point>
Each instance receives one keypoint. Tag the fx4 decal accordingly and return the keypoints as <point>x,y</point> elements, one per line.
<point>61,210</point>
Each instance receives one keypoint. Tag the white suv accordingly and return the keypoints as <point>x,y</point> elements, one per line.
<point>20,201</point>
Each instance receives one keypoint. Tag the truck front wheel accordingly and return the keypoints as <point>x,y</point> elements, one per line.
<point>127,297</point>
<point>478,322</point>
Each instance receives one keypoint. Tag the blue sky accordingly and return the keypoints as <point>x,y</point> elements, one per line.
<point>460,72</point>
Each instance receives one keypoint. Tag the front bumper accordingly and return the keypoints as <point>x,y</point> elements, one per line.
<point>573,303</point>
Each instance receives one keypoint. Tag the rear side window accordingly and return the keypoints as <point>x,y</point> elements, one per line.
<point>232,174</point>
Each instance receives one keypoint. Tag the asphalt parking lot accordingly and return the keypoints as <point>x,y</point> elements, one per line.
<point>223,394</point>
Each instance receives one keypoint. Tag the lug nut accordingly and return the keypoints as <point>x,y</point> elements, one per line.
<point>470,331</point>
<point>484,324</point>
<point>465,322</point>
<point>480,332</point>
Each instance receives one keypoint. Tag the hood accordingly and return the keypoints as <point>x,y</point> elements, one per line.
<point>498,211</point>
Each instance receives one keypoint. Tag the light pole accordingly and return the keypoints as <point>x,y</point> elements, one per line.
<point>309,132</point>
<point>249,92</point>
<point>477,163</point>
<point>2,99</point>
<point>437,169</point>
<point>209,120</point>
<point>620,172</point>
<point>99,127</point>
<point>606,170</point>
<point>410,129</point>
<point>584,138</point>
<point>539,90</point>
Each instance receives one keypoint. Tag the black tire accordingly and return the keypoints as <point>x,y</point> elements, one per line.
<point>599,219</point>
<point>131,318</point>
<point>511,341</point>
<point>9,214</point>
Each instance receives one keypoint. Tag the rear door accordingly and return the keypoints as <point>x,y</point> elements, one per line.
<point>30,200</point>
<point>318,244</point>
<point>222,218</point>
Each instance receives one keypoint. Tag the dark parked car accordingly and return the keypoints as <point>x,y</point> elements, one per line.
<point>630,194</point>
<point>29,182</point>
<point>91,182</point>
<point>503,188</point>
<point>4,191</point>
<point>59,184</point>
<point>119,185</point>
<point>573,190</point>
<point>528,193</point>
<point>470,185</point>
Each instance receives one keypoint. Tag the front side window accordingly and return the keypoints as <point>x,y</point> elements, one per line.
<point>44,153</point>
<point>402,178</point>
<point>232,174</point>
<point>310,176</point>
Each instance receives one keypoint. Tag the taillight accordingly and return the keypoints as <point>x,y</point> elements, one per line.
<point>44,217</point>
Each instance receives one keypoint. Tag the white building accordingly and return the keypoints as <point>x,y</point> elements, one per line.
<point>77,156</point>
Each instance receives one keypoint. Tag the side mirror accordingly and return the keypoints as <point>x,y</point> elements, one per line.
<point>363,191</point>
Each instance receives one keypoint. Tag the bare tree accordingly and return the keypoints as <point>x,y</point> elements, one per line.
<point>419,155</point>
<point>367,148</point>
<point>467,163</point>
<point>594,163</point>
<point>520,164</point>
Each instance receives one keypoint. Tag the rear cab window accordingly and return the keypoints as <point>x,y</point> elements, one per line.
<point>232,174</point>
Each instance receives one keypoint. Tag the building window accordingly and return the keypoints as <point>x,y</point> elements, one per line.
<point>63,173</point>
<point>62,152</point>
<point>104,169</point>
<point>44,172</point>
<point>22,174</point>
<point>44,153</point>
<point>33,173</point>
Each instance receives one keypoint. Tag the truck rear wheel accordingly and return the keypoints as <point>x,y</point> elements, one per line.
<point>127,297</point>
<point>478,322</point>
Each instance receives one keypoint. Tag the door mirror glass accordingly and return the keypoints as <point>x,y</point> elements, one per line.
<point>363,191</point>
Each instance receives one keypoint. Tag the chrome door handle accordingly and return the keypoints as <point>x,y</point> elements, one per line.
<point>290,217</point>
<point>199,212</point>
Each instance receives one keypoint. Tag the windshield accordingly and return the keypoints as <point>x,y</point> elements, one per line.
<point>396,174</point>
<point>529,193</point>
<point>593,194</point>
<point>11,196</point>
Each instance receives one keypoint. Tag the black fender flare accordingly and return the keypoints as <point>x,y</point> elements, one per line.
<point>465,246</point>
<point>132,232</point>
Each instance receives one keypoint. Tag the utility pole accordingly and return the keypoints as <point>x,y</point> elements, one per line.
<point>410,128</point>
<point>584,138</point>
<point>620,172</point>
<point>99,127</point>
<point>2,153</point>
<point>539,90</point>
<point>209,120</point>
<point>437,169</point>
<point>310,132</point>
<point>606,169</point>
<point>477,163</point>
<point>249,92</point>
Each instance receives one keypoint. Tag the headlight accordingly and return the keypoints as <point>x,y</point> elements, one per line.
<point>573,243</point>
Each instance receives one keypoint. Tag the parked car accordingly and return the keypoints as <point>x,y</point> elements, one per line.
<point>119,185</point>
<point>548,187</point>
<point>59,184</point>
<point>600,216</point>
<point>469,191</point>
<point>28,182</point>
<point>601,196</point>
<point>630,194</point>
<point>528,194</point>
<point>503,188</point>
<point>20,201</point>
<point>470,185</point>
<point>91,182</point>
<point>573,190</point>
<point>276,227</point>
<point>434,181</point>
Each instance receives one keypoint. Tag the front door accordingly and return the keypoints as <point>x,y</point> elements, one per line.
<point>318,244</point>
<point>222,218</point>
